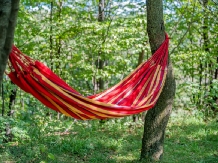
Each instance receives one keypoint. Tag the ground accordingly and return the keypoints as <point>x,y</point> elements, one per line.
<point>189,139</point>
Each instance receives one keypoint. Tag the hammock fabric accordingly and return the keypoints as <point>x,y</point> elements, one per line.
<point>136,93</point>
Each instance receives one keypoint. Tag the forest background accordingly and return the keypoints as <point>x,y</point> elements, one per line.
<point>92,55</point>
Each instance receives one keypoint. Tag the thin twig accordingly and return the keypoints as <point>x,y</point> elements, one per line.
<point>182,38</point>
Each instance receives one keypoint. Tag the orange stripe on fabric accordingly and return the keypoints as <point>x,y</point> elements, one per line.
<point>151,60</point>
<point>142,90</point>
<point>121,82</point>
<point>88,99</point>
<point>154,78</point>
<point>159,92</point>
<point>91,117</point>
<point>73,109</point>
<point>60,108</point>
<point>115,97</point>
<point>78,101</point>
<point>156,84</point>
<point>149,93</point>
<point>63,91</point>
<point>57,106</point>
<point>127,94</point>
<point>103,115</point>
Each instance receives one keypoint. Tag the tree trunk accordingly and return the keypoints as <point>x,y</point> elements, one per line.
<point>100,63</point>
<point>8,134</point>
<point>135,117</point>
<point>216,71</point>
<point>8,16</point>
<point>3,100</point>
<point>12,98</point>
<point>157,118</point>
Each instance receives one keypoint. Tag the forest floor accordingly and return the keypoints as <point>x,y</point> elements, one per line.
<point>189,139</point>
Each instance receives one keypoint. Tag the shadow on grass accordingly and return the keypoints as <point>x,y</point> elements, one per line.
<point>191,142</point>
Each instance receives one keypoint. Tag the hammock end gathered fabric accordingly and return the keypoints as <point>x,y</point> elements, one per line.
<point>137,92</point>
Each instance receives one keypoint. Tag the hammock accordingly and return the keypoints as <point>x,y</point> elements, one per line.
<point>136,93</point>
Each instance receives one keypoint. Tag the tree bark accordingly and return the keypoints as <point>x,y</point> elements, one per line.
<point>12,99</point>
<point>3,100</point>
<point>157,118</point>
<point>100,60</point>
<point>8,17</point>
<point>135,117</point>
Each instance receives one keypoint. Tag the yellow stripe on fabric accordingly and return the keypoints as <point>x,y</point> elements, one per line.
<point>73,109</point>
<point>76,111</point>
<point>78,101</point>
<point>159,92</point>
<point>126,95</point>
<point>60,89</point>
<point>56,105</point>
<point>154,77</point>
<point>121,82</point>
<point>89,100</point>
<point>115,97</point>
<point>62,110</point>
<point>141,104</point>
<point>156,84</point>
<point>149,94</point>
<point>142,90</point>
<point>93,101</point>
<point>145,99</point>
<point>103,115</point>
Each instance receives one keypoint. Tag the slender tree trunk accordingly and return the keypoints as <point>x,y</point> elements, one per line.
<point>8,17</point>
<point>208,65</point>
<point>48,114</point>
<point>135,117</point>
<point>51,34</point>
<point>99,83</point>
<point>101,11</point>
<point>8,134</point>
<point>58,42</point>
<point>12,98</point>
<point>100,63</point>
<point>3,100</point>
<point>157,118</point>
<point>209,76</point>
<point>216,71</point>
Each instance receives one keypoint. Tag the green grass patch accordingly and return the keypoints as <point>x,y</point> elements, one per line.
<point>188,139</point>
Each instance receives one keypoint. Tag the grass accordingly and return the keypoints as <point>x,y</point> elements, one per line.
<point>188,140</point>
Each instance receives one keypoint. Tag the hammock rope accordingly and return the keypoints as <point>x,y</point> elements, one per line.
<point>136,93</point>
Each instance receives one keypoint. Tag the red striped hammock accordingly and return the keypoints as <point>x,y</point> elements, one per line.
<point>136,93</point>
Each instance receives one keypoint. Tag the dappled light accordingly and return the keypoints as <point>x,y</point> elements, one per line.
<point>119,141</point>
<point>108,81</point>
